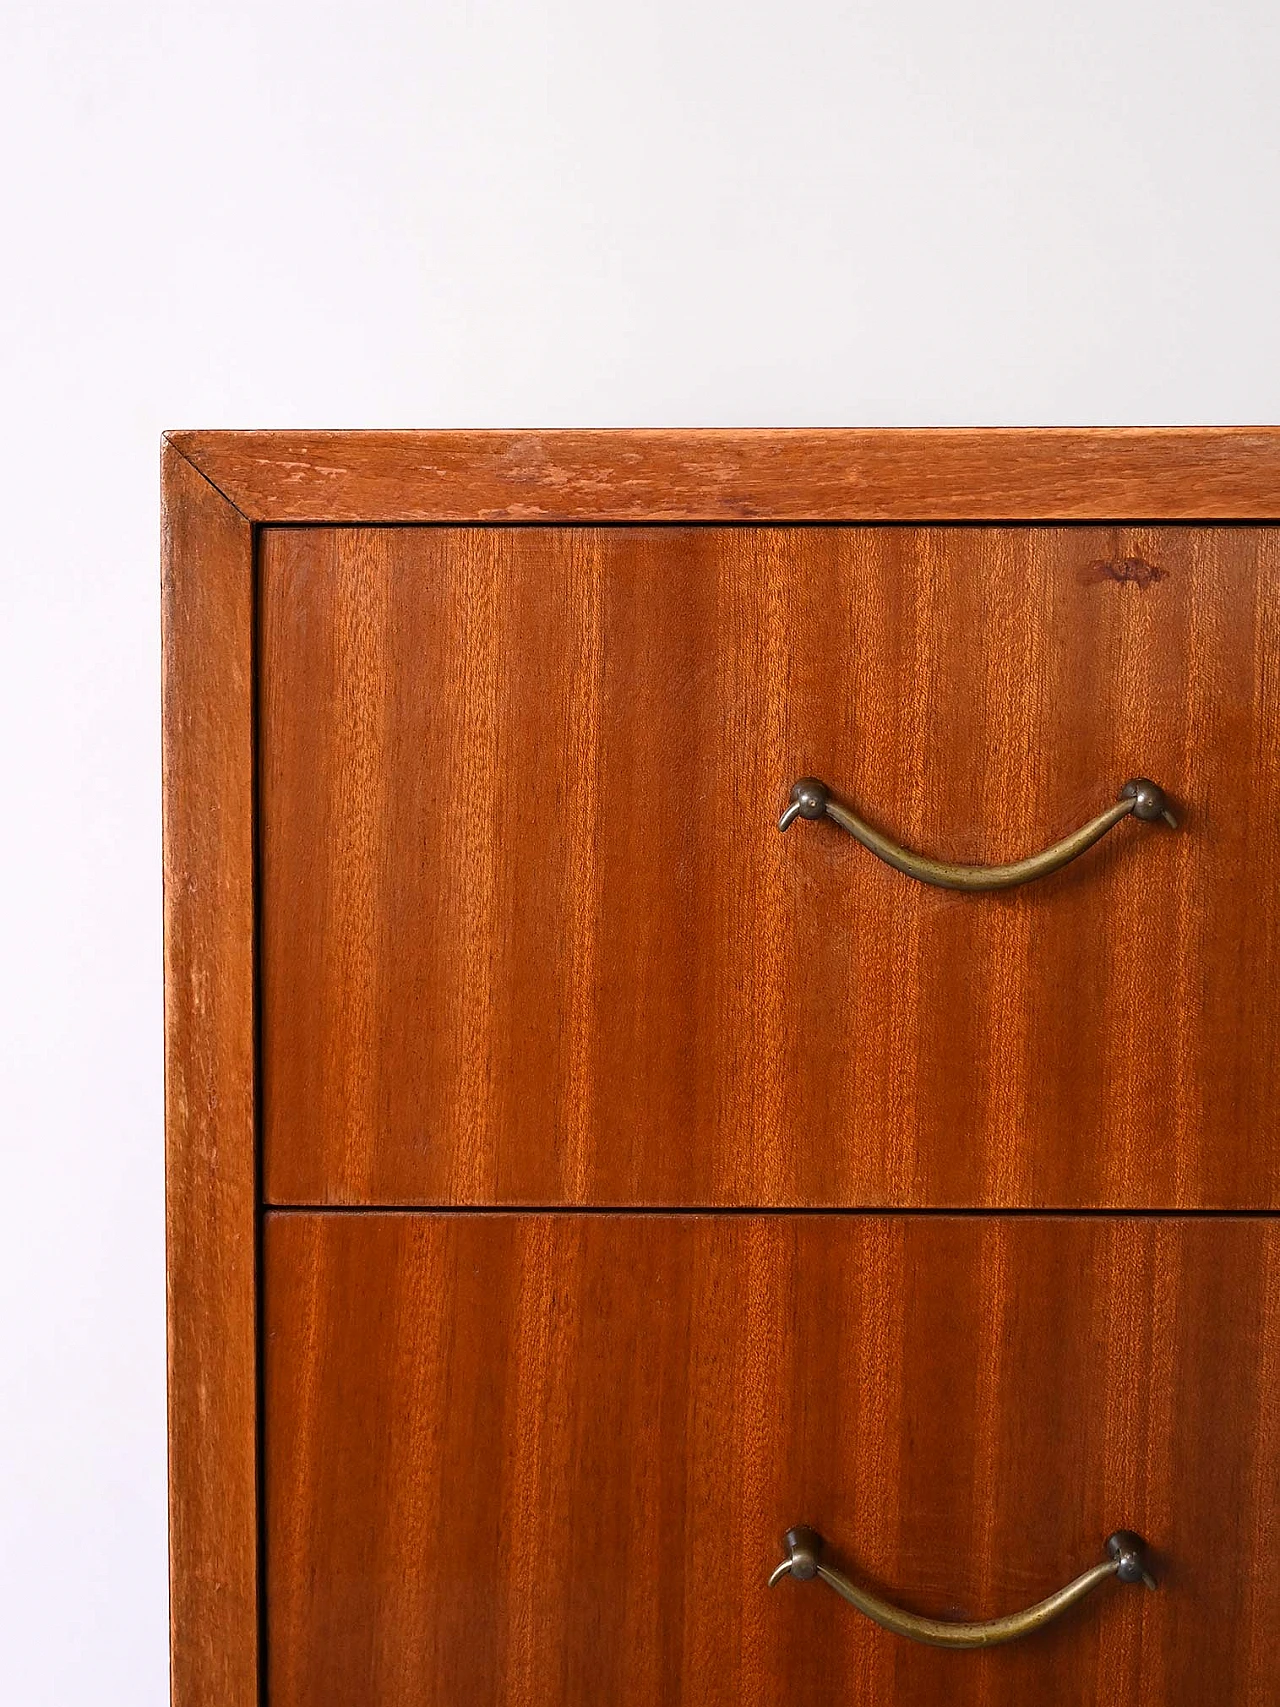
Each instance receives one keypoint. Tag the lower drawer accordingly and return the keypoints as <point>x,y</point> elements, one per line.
<point>519,1459</point>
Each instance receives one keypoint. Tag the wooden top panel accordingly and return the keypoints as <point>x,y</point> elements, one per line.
<point>981,474</point>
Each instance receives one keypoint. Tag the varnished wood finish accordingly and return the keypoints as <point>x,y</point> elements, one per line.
<point>531,934</point>
<point>546,1460</point>
<point>209,1092</point>
<point>1147,474</point>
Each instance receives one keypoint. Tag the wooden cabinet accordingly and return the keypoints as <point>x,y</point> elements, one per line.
<point>574,1183</point>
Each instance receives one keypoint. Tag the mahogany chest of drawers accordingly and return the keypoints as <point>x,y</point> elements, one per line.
<point>601,1226</point>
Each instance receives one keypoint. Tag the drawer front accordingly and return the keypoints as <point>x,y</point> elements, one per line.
<point>549,1459</point>
<point>530,934</point>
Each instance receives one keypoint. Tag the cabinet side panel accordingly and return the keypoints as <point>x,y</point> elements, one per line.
<point>209,1091</point>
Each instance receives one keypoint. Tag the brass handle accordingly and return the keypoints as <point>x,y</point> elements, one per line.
<point>1143,798</point>
<point>1126,1560</point>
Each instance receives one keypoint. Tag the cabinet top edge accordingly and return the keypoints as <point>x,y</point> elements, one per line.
<point>713,475</point>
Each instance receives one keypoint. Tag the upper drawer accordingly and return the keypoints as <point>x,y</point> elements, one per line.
<point>530,934</point>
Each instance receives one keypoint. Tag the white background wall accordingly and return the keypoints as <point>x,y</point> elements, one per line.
<point>433,212</point>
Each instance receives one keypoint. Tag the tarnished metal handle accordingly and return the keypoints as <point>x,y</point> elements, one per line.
<point>1140,797</point>
<point>1126,1560</point>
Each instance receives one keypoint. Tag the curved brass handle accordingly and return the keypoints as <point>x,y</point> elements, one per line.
<point>1140,796</point>
<point>1126,1560</point>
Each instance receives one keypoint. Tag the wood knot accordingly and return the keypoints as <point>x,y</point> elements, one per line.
<point>1126,571</point>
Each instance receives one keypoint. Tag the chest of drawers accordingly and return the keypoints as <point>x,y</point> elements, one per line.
<point>586,1202</point>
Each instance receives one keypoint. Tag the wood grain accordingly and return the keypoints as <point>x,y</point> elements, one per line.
<point>519,1461</point>
<point>531,937</point>
<point>211,1187</point>
<point>530,934</point>
<point>1138,474</point>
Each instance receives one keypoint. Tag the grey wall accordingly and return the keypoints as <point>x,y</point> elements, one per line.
<point>413,213</point>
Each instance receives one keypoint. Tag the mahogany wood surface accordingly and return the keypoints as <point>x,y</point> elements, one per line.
<point>211,1188</point>
<point>530,934</point>
<point>832,475</point>
<point>546,1460</point>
